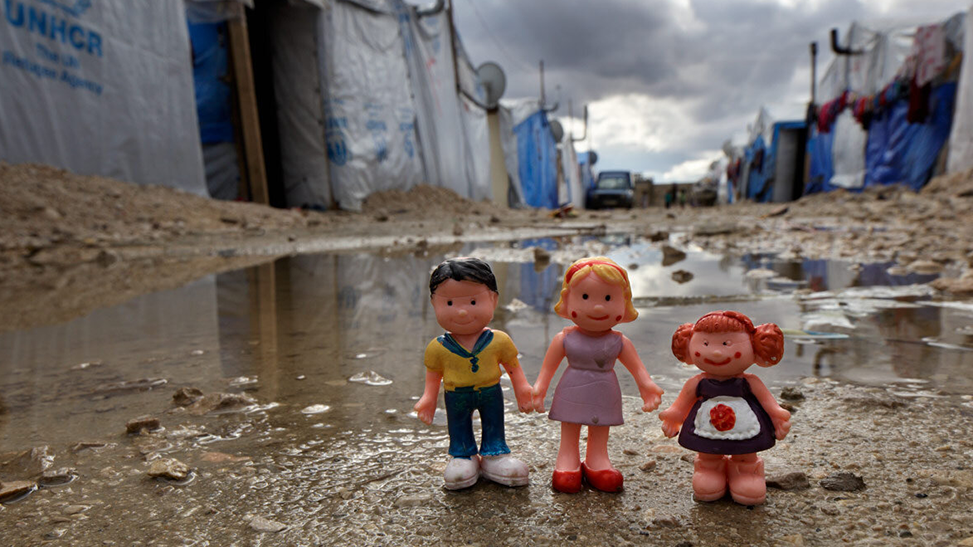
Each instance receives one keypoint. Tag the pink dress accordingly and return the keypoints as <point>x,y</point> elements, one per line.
<point>588,392</point>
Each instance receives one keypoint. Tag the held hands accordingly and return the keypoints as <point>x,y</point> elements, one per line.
<point>671,423</point>
<point>426,409</point>
<point>537,398</point>
<point>782,422</point>
<point>525,399</point>
<point>651,397</point>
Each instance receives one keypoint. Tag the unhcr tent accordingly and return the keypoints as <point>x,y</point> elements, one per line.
<point>774,160</point>
<point>531,153</point>
<point>889,106</point>
<point>100,87</point>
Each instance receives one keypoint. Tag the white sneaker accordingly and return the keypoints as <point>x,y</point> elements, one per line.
<point>462,472</point>
<point>504,469</point>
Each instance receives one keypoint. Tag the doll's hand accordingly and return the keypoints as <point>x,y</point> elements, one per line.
<point>426,409</point>
<point>782,423</point>
<point>670,423</point>
<point>537,398</point>
<point>651,398</point>
<point>525,400</point>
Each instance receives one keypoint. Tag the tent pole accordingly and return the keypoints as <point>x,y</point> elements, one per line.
<point>247,100</point>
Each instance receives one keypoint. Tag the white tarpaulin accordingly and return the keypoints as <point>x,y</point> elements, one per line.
<point>961,138</point>
<point>572,174</point>
<point>848,152</point>
<point>511,114</point>
<point>369,112</point>
<point>100,87</point>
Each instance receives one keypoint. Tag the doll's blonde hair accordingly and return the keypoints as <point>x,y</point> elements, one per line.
<point>608,271</point>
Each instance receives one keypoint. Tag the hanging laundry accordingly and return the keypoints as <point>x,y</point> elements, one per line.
<point>930,51</point>
<point>918,102</point>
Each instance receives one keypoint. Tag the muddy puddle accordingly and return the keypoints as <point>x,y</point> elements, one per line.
<point>276,408</point>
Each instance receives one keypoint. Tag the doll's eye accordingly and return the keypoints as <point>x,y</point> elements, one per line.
<point>472,302</point>
<point>706,344</point>
<point>584,296</point>
<point>725,343</point>
<point>608,297</point>
<point>449,302</point>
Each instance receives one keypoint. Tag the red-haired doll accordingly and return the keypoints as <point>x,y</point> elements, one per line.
<point>727,416</point>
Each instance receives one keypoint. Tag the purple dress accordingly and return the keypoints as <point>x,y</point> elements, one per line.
<point>727,419</point>
<point>588,392</point>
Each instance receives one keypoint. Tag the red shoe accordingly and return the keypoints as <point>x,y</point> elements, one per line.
<point>606,480</point>
<point>568,482</point>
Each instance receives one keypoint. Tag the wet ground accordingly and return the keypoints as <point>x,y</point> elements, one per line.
<point>294,382</point>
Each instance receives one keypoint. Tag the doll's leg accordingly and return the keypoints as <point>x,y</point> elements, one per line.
<point>567,468</point>
<point>496,463</point>
<point>709,476</point>
<point>463,469</point>
<point>746,476</point>
<point>597,467</point>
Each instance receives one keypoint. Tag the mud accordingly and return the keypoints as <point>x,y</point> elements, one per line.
<point>255,387</point>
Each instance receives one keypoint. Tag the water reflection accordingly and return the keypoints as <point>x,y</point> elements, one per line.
<point>301,330</point>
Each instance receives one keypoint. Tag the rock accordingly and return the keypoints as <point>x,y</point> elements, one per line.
<point>671,255</point>
<point>261,524</point>
<point>381,217</point>
<point>630,452</point>
<point>117,388</point>
<point>843,482</point>
<point>221,402</point>
<point>494,219</point>
<point>682,276</point>
<point>925,267</point>
<point>791,394</point>
<point>780,211</point>
<point>88,445</point>
<point>29,463</point>
<point>458,229</point>
<point>542,259</point>
<point>137,425</point>
<point>794,480</point>
<point>962,286</point>
<point>648,466</point>
<point>186,396</point>
<point>221,457</point>
<point>659,235</point>
<point>57,477</point>
<point>414,500</point>
<point>75,509</point>
<point>169,468</point>
<point>715,229</point>
<point>13,489</point>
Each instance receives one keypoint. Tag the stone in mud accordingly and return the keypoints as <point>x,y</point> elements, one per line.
<point>659,235</point>
<point>131,386</point>
<point>261,524</point>
<point>843,482</point>
<point>12,489</point>
<point>671,255</point>
<point>169,468</point>
<point>29,463</point>
<point>186,396</point>
<point>715,229</point>
<point>958,286</point>
<point>57,477</point>
<point>142,423</point>
<point>794,480</point>
<point>925,267</point>
<point>682,276</point>
<point>413,500</point>
<point>88,445</point>
<point>648,466</point>
<point>221,402</point>
<point>791,394</point>
<point>542,258</point>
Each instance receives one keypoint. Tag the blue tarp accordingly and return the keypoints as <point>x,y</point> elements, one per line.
<point>821,166</point>
<point>902,153</point>
<point>537,155</point>
<point>759,187</point>
<point>213,99</point>
<point>587,176</point>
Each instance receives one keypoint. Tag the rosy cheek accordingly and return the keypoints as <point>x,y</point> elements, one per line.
<point>698,354</point>
<point>574,314</point>
<point>618,318</point>
<point>737,355</point>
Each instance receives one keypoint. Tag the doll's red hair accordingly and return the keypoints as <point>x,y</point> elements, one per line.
<point>767,339</point>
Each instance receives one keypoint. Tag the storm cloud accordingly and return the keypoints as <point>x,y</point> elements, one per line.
<point>667,81</point>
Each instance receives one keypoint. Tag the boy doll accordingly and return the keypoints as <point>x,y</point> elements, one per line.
<point>467,360</point>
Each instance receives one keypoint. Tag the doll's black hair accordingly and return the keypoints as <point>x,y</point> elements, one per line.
<point>463,269</point>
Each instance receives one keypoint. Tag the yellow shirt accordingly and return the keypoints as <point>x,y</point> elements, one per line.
<point>461,368</point>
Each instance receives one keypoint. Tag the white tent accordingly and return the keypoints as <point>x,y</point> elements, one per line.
<point>100,88</point>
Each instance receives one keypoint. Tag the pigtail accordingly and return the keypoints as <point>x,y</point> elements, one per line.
<point>680,342</point>
<point>768,344</point>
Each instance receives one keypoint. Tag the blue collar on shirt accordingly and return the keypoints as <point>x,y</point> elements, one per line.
<point>453,346</point>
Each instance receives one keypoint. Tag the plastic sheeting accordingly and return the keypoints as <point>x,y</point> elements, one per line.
<point>100,88</point>
<point>537,158</point>
<point>961,141</point>
<point>369,112</point>
<point>573,192</point>
<point>820,165</point>
<point>848,152</point>
<point>902,153</point>
<point>510,114</point>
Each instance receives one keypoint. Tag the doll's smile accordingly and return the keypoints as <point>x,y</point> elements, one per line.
<point>602,318</point>
<point>708,362</point>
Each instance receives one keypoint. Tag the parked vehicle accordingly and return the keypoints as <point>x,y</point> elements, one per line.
<point>613,189</point>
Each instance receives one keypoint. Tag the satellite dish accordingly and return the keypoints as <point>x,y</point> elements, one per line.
<point>494,82</point>
<point>557,130</point>
<point>592,157</point>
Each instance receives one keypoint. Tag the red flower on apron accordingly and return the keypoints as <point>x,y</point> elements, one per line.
<point>722,417</point>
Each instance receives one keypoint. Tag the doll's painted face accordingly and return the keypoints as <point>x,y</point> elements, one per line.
<point>594,304</point>
<point>721,353</point>
<point>463,307</point>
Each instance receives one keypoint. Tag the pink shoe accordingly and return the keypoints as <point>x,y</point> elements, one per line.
<point>709,478</point>
<point>747,484</point>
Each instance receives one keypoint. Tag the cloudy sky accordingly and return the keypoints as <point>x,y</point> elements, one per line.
<point>668,81</point>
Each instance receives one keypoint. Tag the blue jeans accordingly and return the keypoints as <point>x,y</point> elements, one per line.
<point>460,404</point>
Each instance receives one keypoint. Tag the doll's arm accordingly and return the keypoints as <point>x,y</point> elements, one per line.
<point>673,417</point>
<point>780,417</point>
<point>552,359</point>
<point>651,393</point>
<point>522,389</point>
<point>426,407</point>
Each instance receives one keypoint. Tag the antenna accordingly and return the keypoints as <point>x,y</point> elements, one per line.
<point>494,82</point>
